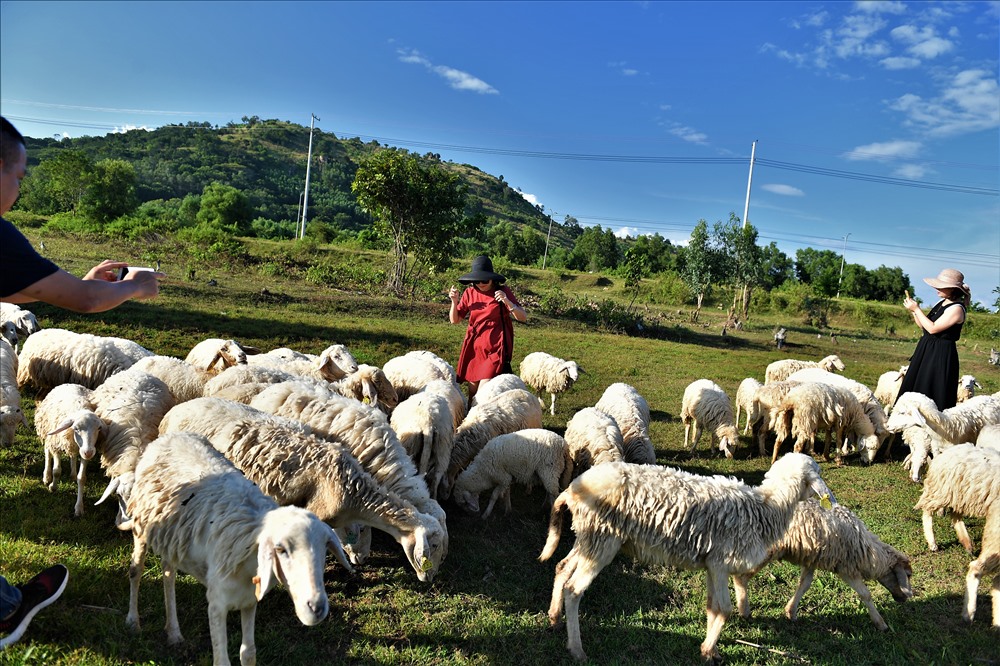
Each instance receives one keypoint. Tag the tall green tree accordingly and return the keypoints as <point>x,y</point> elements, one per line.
<point>818,268</point>
<point>596,249</point>
<point>742,259</point>
<point>700,264</point>
<point>112,191</point>
<point>777,266</point>
<point>58,184</point>
<point>419,208</point>
<point>225,208</point>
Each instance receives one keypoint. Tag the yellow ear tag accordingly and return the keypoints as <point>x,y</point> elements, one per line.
<point>366,400</point>
<point>256,581</point>
<point>426,564</point>
<point>825,502</point>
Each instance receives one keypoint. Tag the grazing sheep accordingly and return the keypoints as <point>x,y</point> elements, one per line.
<point>413,370</point>
<point>706,406</point>
<point>544,372</point>
<point>202,516</point>
<point>509,412</point>
<point>68,426</point>
<point>811,407</point>
<point>185,381</point>
<point>491,388</point>
<point>11,415</point>
<point>592,438</point>
<point>667,516</point>
<point>764,417</point>
<point>887,388</point>
<point>335,362</point>
<point>296,467</point>
<point>424,425</point>
<point>55,356</point>
<point>451,392</point>
<point>370,386</point>
<point>630,411</point>
<point>779,371</point>
<point>987,564</point>
<point>240,375</point>
<point>523,456</point>
<point>24,321</point>
<point>745,401</point>
<point>963,479</point>
<point>215,355</point>
<point>834,540</point>
<point>967,386</point>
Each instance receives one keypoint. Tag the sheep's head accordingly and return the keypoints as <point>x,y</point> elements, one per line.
<point>466,499</point>
<point>8,331</point>
<point>11,416</point>
<point>571,369</point>
<point>728,439</point>
<point>905,414</point>
<point>831,363</point>
<point>336,362</point>
<point>897,580</point>
<point>868,446</point>
<point>425,548</point>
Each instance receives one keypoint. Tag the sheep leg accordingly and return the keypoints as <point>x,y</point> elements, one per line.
<point>173,627</point>
<point>139,550</point>
<point>564,570</point>
<point>695,436</point>
<point>972,579</point>
<point>928,521</point>
<point>995,594</point>
<point>81,481</point>
<point>248,648</point>
<point>718,609</point>
<point>497,494</point>
<point>56,472</point>
<point>47,472</point>
<point>217,629</point>
<point>961,532</point>
<point>552,410</point>
<point>425,452</point>
<point>584,573</point>
<point>740,584</point>
<point>805,580</point>
<point>866,598</point>
<point>72,466</point>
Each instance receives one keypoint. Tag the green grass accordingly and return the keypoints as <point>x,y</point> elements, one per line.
<point>487,606</point>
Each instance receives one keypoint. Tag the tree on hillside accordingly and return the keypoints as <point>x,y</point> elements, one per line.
<point>776,265</point>
<point>58,184</point>
<point>596,249</point>
<point>887,284</point>
<point>111,193</point>
<point>741,259</point>
<point>419,208</point>
<point>657,252</point>
<point>225,208</point>
<point>700,262</point>
<point>819,269</point>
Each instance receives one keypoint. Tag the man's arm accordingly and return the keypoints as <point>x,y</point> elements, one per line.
<point>91,295</point>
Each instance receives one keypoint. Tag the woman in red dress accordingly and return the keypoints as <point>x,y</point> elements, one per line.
<point>489,341</point>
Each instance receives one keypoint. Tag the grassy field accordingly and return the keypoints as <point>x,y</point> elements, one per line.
<point>487,606</point>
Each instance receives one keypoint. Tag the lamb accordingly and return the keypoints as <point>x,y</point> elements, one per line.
<point>424,425</point>
<point>667,516</point>
<point>522,456</point>
<point>779,371</point>
<point>764,417</point>
<point>185,381</point>
<point>835,540</point>
<point>745,401</point>
<point>55,356</point>
<point>24,321</point>
<point>238,375</point>
<point>965,480</point>
<point>593,438</point>
<point>630,411</point>
<point>491,388</point>
<point>11,415</point>
<point>68,425</point>
<point>967,386</point>
<point>509,412</point>
<point>544,372</point>
<point>8,333</point>
<point>887,388</point>
<point>295,467</point>
<point>230,536</point>
<point>706,406</point>
<point>215,354</point>
<point>987,564</point>
<point>812,407</point>
<point>413,370</point>
<point>451,392</point>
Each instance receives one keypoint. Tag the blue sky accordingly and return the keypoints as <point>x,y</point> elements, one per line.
<point>638,116</point>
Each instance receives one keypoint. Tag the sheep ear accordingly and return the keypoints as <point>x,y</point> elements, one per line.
<point>265,568</point>
<point>249,351</point>
<point>109,491</point>
<point>215,359</point>
<point>333,545</point>
<point>420,550</point>
<point>24,420</point>
<point>66,423</point>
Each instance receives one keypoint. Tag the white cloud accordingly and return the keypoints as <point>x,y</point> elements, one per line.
<point>625,232</point>
<point>128,128</point>
<point>854,37</point>
<point>899,62</point>
<point>881,152</point>
<point>530,198</point>
<point>881,7</point>
<point>688,134</point>
<point>665,107</point>
<point>784,190</point>
<point>630,72</point>
<point>922,42</point>
<point>910,172</point>
<point>968,103</point>
<point>456,78</point>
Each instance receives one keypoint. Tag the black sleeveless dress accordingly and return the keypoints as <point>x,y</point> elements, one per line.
<point>934,365</point>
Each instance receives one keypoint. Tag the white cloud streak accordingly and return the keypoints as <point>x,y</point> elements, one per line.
<point>881,152</point>
<point>456,78</point>
<point>783,190</point>
<point>969,102</point>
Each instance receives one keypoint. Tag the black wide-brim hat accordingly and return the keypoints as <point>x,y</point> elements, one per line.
<point>482,270</point>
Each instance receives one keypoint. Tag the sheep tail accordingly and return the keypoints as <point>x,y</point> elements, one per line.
<point>555,526</point>
<point>567,474</point>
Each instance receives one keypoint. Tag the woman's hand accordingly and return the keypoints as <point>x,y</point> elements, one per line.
<point>501,297</point>
<point>453,294</point>
<point>909,303</point>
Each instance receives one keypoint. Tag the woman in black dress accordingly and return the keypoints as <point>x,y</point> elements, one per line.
<point>933,367</point>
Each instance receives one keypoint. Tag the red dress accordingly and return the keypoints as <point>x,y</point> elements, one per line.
<point>489,341</point>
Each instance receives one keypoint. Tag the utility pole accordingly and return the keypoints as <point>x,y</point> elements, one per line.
<point>305,197</point>
<point>843,258</point>
<point>746,208</point>
<point>547,237</point>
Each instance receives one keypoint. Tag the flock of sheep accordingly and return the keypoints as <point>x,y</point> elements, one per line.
<point>244,468</point>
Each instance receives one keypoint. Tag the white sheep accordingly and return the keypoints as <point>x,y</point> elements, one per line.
<point>812,407</point>
<point>11,415</point>
<point>68,426</point>
<point>667,516</point>
<point>745,401</point>
<point>509,412</point>
<point>544,372</point>
<point>215,354</point>
<point>199,513</point>
<point>296,467</point>
<point>963,480</point>
<point>185,381</point>
<point>491,388</point>
<point>370,386</point>
<point>524,456</point>
<point>989,436</point>
<point>706,406</point>
<point>967,386</point>
<point>8,333</point>
<point>593,438</point>
<point>630,411</point>
<point>987,564</point>
<point>451,392</point>
<point>24,321</point>
<point>423,422</point>
<point>334,363</point>
<point>55,356</point>
<point>887,388</point>
<point>413,370</point>
<point>835,540</point>
<point>779,371</point>
<point>239,375</point>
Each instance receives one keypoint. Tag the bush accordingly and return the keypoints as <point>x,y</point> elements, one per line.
<point>25,219</point>
<point>69,223</point>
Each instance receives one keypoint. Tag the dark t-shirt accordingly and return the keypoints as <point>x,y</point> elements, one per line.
<point>20,265</point>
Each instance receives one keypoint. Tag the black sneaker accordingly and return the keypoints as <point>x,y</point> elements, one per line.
<point>36,594</point>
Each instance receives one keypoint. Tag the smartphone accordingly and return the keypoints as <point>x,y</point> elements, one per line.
<point>125,270</point>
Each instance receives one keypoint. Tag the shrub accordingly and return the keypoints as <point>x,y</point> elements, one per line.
<point>25,219</point>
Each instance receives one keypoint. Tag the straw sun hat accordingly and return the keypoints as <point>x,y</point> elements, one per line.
<point>949,278</point>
